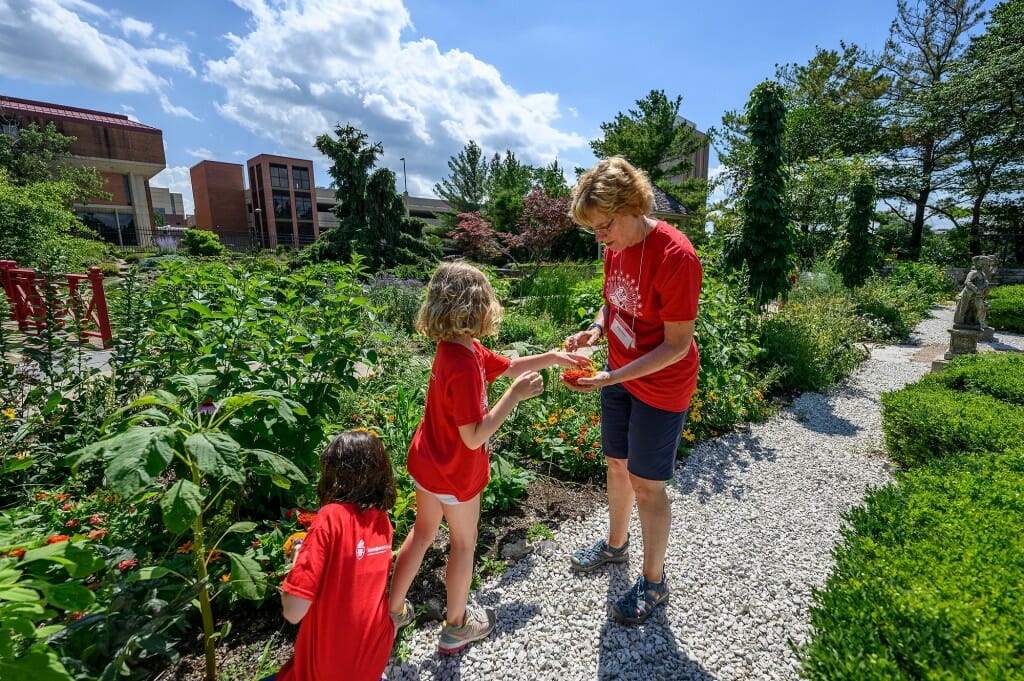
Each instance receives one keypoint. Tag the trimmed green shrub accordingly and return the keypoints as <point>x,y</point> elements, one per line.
<point>927,580</point>
<point>812,342</point>
<point>927,421</point>
<point>201,242</point>
<point>997,374</point>
<point>1006,308</point>
<point>928,277</point>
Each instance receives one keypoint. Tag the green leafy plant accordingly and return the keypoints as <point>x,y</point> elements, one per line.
<point>201,242</point>
<point>181,445</point>
<point>1006,308</point>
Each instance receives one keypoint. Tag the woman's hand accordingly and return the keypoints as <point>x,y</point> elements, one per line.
<point>588,385</point>
<point>583,339</point>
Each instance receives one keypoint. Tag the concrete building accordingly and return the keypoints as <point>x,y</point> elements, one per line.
<point>168,204</point>
<point>126,153</point>
<point>219,195</point>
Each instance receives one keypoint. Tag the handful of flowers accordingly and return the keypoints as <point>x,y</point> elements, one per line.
<point>292,544</point>
<point>573,376</point>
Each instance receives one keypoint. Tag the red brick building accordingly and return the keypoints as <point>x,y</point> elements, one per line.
<point>219,195</point>
<point>126,153</point>
<point>283,198</point>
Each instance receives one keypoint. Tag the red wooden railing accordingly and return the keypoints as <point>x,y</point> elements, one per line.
<point>28,307</point>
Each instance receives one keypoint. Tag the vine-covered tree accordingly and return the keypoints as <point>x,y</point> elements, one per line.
<point>765,244</point>
<point>857,255</point>
<point>371,214</point>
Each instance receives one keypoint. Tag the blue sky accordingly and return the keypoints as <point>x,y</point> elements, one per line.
<point>227,80</point>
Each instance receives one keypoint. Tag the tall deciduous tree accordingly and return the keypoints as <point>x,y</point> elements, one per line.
<point>40,155</point>
<point>465,188</point>
<point>371,215</point>
<point>545,221</point>
<point>508,183</point>
<point>651,137</point>
<point>765,244</point>
<point>925,40</point>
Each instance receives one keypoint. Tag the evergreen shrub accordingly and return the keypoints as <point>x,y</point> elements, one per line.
<point>1006,308</point>
<point>997,374</point>
<point>927,579</point>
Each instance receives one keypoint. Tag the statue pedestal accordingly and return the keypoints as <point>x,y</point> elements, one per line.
<point>988,334</point>
<point>963,341</point>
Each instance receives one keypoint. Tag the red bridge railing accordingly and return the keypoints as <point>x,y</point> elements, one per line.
<point>28,306</point>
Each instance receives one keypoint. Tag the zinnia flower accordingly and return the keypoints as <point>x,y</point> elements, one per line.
<point>97,534</point>
<point>125,565</point>
<point>57,538</point>
<point>292,541</point>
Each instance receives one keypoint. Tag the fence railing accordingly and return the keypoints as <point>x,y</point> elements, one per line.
<point>28,304</point>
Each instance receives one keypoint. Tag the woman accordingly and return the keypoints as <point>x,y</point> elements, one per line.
<point>652,281</point>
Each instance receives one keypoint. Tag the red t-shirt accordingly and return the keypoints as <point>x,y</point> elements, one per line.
<point>643,296</point>
<point>457,396</point>
<point>343,568</point>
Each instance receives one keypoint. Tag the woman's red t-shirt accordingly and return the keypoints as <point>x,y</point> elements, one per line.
<point>457,396</point>
<point>665,287</point>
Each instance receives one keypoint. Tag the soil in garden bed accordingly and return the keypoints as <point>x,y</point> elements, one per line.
<point>548,502</point>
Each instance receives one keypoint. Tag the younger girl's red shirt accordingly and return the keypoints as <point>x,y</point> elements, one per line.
<point>646,285</point>
<point>343,567</point>
<point>457,396</point>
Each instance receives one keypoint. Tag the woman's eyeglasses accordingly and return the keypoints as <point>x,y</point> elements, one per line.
<point>599,229</point>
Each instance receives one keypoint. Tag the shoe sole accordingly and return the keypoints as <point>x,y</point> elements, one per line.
<point>625,619</point>
<point>579,567</point>
<point>462,646</point>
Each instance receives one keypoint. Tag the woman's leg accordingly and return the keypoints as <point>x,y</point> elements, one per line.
<point>463,520</point>
<point>655,520</point>
<point>419,539</point>
<point>620,502</point>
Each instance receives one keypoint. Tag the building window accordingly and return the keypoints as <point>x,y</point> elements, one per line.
<point>303,207</point>
<point>282,205</point>
<point>278,176</point>
<point>301,177</point>
<point>285,235</point>
<point>306,233</point>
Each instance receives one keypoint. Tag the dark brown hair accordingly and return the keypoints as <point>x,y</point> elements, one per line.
<point>355,469</point>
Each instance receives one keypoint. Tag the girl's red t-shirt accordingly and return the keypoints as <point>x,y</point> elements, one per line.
<point>456,396</point>
<point>646,285</point>
<point>343,567</point>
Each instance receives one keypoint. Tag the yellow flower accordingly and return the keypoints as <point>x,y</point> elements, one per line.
<point>570,411</point>
<point>688,435</point>
<point>225,577</point>
<point>697,418</point>
<point>552,419</point>
<point>10,414</point>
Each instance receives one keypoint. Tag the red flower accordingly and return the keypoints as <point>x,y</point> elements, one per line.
<point>573,376</point>
<point>57,538</point>
<point>256,543</point>
<point>42,495</point>
<point>18,553</point>
<point>77,615</point>
<point>74,522</point>
<point>60,497</point>
<point>125,565</point>
<point>290,513</point>
<point>66,507</point>
<point>97,534</point>
<point>96,519</point>
<point>306,518</point>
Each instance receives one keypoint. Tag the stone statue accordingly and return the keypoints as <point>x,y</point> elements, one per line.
<point>971,308</point>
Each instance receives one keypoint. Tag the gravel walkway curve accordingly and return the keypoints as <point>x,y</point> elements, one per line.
<point>755,516</point>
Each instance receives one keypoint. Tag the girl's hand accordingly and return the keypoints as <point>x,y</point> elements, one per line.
<point>526,386</point>
<point>570,359</point>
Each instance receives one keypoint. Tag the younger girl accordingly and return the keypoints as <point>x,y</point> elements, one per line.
<point>338,582</point>
<point>449,456</point>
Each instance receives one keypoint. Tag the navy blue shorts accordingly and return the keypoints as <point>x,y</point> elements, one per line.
<point>646,436</point>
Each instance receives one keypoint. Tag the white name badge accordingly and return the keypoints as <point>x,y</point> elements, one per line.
<point>623,332</point>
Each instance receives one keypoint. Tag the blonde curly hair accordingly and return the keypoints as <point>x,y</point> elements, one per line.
<point>459,302</point>
<point>612,187</point>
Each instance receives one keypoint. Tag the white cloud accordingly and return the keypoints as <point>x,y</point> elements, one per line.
<point>130,27</point>
<point>201,153</point>
<point>72,41</point>
<point>308,65</point>
<point>178,180</point>
<point>179,111</point>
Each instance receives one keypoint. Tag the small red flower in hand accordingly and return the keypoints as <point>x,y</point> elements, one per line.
<point>573,376</point>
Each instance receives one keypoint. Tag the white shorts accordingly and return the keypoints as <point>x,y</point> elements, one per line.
<point>446,499</point>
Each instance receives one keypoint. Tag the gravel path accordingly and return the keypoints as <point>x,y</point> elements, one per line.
<point>755,516</point>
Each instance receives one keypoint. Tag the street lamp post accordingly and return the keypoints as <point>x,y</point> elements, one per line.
<point>405,187</point>
<point>256,224</point>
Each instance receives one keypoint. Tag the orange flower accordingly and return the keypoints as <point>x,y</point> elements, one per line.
<point>226,577</point>
<point>126,565</point>
<point>186,547</point>
<point>552,419</point>
<point>57,538</point>
<point>42,495</point>
<point>214,555</point>
<point>60,497</point>
<point>15,553</point>
<point>97,534</point>
<point>292,541</point>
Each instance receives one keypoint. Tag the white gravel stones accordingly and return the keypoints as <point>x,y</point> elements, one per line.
<point>755,515</point>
